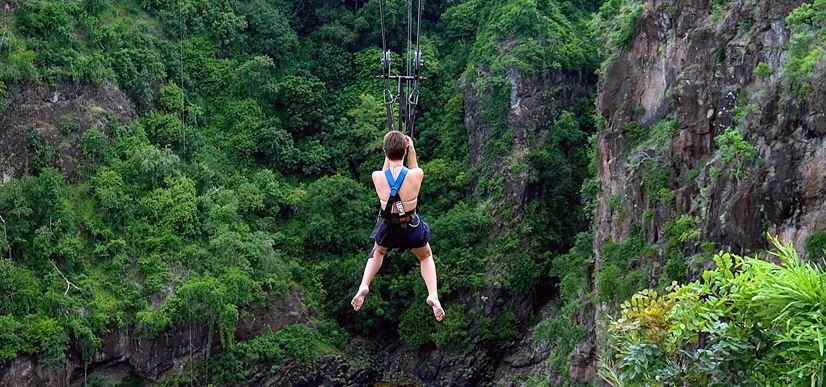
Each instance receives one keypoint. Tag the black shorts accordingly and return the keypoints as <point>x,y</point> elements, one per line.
<point>412,238</point>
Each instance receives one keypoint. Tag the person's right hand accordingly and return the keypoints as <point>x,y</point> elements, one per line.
<point>408,142</point>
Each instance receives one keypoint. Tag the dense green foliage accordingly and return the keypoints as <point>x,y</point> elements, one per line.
<point>816,246</point>
<point>749,321</point>
<point>806,45</point>
<point>245,173</point>
<point>243,181</point>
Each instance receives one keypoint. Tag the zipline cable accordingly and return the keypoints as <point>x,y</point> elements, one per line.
<point>418,63</point>
<point>386,63</point>
<point>407,85</point>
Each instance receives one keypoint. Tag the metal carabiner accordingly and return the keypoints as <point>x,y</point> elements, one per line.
<point>413,99</point>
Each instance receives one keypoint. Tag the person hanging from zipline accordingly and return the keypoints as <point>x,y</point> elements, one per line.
<point>400,226</point>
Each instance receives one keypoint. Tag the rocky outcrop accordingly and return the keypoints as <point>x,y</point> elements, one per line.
<point>60,115</point>
<point>534,103</point>
<point>694,61</point>
<point>124,352</point>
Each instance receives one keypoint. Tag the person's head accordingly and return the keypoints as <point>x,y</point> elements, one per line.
<point>395,145</point>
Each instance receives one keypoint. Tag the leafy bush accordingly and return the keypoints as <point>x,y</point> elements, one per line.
<point>296,342</point>
<point>663,131</point>
<point>816,245</point>
<point>270,31</point>
<point>748,321</point>
<point>4,97</point>
<point>171,98</point>
<point>301,98</point>
<point>735,148</point>
<point>614,26</point>
<point>41,153</point>
<point>805,45</point>
<point>93,144</point>
<point>762,70</point>
<point>617,277</point>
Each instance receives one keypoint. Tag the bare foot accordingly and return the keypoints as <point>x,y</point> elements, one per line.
<point>358,300</point>
<point>438,312</point>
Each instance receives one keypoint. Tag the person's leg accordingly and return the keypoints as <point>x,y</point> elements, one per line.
<point>370,270</point>
<point>428,268</point>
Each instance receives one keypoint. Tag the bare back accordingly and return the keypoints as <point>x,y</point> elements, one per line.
<point>409,191</point>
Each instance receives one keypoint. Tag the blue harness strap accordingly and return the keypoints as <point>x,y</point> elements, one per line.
<point>395,184</point>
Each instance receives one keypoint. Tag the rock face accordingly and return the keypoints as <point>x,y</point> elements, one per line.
<point>60,115</point>
<point>695,64</point>
<point>124,352</point>
<point>535,102</point>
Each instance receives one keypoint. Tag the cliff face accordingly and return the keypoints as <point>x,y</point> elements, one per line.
<point>534,103</point>
<point>123,352</point>
<point>704,68</point>
<point>59,115</point>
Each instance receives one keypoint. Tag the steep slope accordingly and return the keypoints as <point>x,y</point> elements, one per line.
<point>199,148</point>
<point>60,117</point>
<point>715,135</point>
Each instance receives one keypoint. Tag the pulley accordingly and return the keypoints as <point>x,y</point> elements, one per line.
<point>418,62</point>
<point>386,60</point>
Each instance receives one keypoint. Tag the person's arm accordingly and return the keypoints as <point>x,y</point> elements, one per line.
<point>412,162</point>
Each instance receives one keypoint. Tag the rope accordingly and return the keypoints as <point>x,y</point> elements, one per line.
<point>381,16</point>
<point>418,56</point>
<point>418,27</point>
<point>181,76</point>
<point>409,40</point>
<point>406,93</point>
<point>385,55</point>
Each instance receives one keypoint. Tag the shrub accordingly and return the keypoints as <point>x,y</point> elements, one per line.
<point>805,45</point>
<point>634,133</point>
<point>68,127</point>
<point>735,148</point>
<point>453,334</point>
<point>618,278</point>
<point>165,130</point>
<point>748,321</point>
<point>816,245</point>
<point>270,30</point>
<point>614,27</point>
<point>40,151</point>
<point>171,99</point>
<point>412,331</point>
<point>4,97</point>
<point>663,131</point>
<point>94,144</point>
<point>763,70</point>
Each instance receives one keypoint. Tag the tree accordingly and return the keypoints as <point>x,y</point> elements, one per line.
<point>269,30</point>
<point>94,145</point>
<point>278,148</point>
<point>171,99</point>
<point>164,130</point>
<point>149,166</point>
<point>302,99</point>
<point>174,207</point>
<point>322,230</point>
<point>256,77</point>
<point>109,191</point>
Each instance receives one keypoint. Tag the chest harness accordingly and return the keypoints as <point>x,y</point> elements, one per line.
<point>399,220</point>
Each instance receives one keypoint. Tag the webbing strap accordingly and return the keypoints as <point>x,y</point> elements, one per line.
<point>395,184</point>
